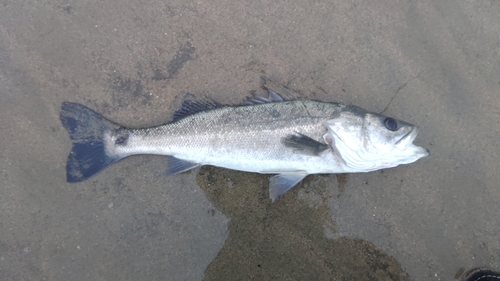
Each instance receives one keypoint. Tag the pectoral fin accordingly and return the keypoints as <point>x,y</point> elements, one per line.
<point>176,166</point>
<point>279,184</point>
<point>304,144</point>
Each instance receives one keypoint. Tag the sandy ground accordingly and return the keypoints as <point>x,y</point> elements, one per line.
<point>432,63</point>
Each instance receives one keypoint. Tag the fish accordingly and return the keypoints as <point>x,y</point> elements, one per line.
<point>288,138</point>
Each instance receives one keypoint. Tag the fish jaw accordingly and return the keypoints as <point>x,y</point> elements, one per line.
<point>410,151</point>
<point>414,153</point>
<point>407,139</point>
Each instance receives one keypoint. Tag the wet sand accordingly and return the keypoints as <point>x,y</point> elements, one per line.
<point>433,64</point>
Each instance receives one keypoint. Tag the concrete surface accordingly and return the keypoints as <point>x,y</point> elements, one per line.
<point>432,63</point>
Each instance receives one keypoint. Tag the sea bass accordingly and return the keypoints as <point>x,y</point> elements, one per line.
<point>288,138</point>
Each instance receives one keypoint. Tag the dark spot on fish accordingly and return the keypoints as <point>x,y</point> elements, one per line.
<point>275,114</point>
<point>122,139</point>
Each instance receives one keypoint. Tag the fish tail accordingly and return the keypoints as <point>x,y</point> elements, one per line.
<point>93,144</point>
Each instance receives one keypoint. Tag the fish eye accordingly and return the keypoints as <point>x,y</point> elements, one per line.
<point>391,124</point>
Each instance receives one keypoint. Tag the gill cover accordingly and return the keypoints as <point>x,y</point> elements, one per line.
<point>368,141</point>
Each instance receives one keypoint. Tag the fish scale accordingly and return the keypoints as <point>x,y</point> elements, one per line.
<point>250,132</point>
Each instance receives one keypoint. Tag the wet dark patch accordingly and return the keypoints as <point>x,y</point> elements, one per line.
<point>66,8</point>
<point>183,55</point>
<point>284,240</point>
<point>120,185</point>
<point>341,181</point>
<point>322,185</point>
<point>147,225</point>
<point>158,75</point>
<point>126,85</point>
<point>127,90</point>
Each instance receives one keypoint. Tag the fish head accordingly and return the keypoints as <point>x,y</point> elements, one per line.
<point>368,141</point>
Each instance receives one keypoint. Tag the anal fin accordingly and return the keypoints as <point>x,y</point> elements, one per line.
<point>176,166</point>
<point>279,184</point>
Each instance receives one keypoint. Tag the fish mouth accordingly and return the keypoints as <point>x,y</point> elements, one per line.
<point>406,144</point>
<point>407,139</point>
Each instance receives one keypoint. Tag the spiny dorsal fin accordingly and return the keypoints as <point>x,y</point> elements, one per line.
<point>190,107</point>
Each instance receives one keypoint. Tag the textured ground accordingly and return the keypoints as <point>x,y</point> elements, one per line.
<point>431,63</point>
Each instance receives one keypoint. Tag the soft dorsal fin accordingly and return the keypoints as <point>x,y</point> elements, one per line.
<point>190,107</point>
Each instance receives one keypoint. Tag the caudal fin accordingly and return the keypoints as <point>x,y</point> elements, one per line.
<point>87,130</point>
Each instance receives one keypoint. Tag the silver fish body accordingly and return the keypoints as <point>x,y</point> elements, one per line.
<point>246,138</point>
<point>291,139</point>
